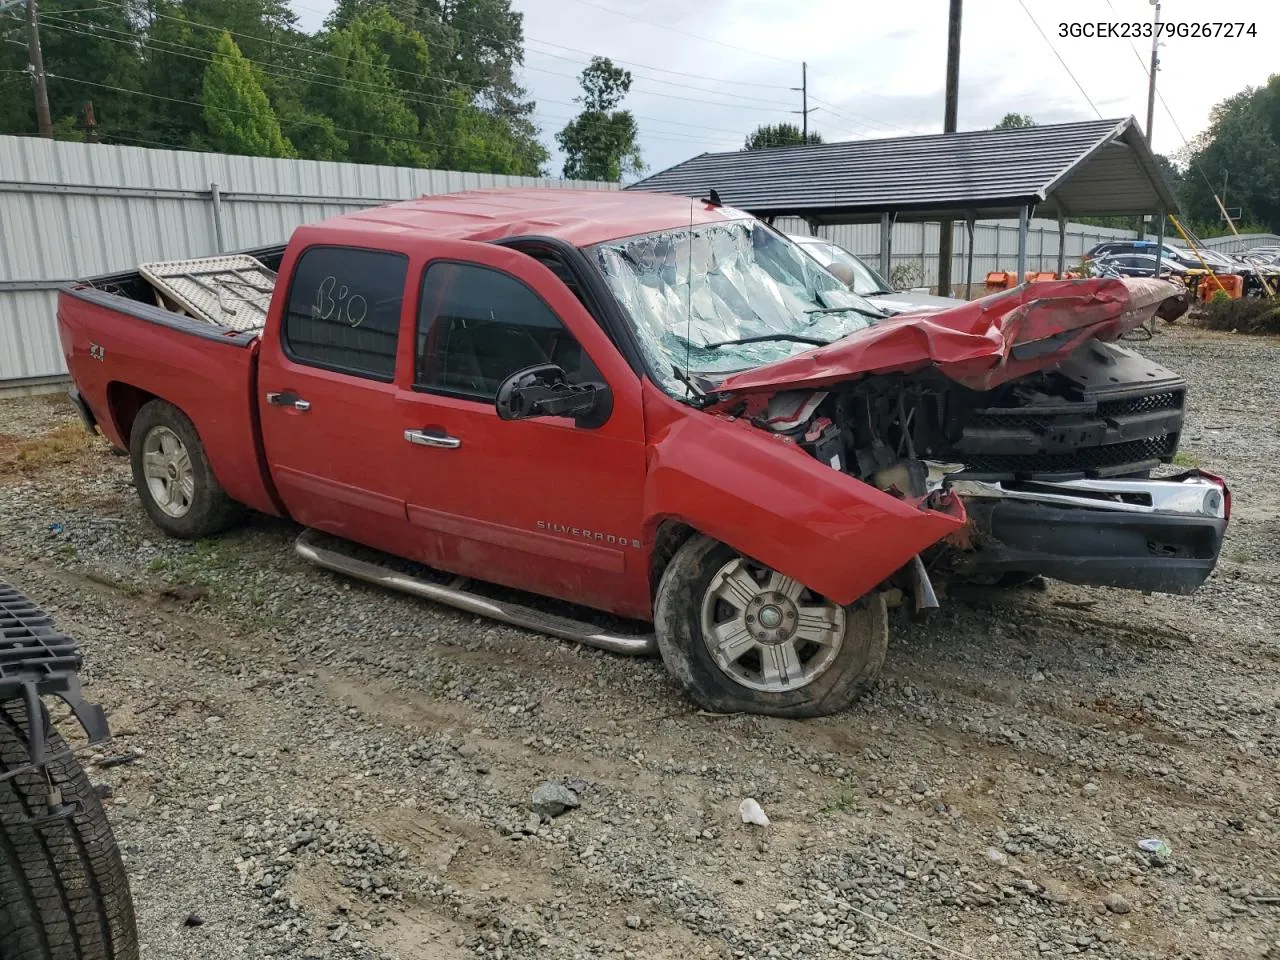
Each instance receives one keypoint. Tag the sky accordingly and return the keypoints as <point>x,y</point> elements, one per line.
<point>707,72</point>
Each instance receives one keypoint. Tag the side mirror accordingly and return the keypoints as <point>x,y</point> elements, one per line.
<point>544,391</point>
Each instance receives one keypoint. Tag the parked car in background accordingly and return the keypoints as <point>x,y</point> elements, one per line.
<point>1136,265</point>
<point>866,282</point>
<point>1185,258</point>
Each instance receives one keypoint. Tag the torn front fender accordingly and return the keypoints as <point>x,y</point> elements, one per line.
<point>984,343</point>
<point>762,495</point>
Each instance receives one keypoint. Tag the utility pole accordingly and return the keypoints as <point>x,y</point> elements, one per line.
<point>89,123</point>
<point>950,108</point>
<point>44,122</point>
<point>805,109</point>
<point>1151,74</point>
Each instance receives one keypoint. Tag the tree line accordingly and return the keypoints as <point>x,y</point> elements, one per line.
<point>424,83</point>
<point>433,83</point>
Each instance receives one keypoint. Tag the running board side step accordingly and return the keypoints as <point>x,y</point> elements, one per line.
<point>515,614</point>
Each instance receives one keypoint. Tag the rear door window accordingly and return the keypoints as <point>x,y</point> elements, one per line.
<point>344,310</point>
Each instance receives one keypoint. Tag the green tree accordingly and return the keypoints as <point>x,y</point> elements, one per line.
<point>179,43</point>
<point>361,94</point>
<point>601,142</point>
<point>470,104</point>
<point>91,53</point>
<point>236,110</point>
<point>1239,155</point>
<point>1014,121</point>
<point>778,135</point>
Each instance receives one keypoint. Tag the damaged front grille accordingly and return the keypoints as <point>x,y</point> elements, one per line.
<point>1115,459</point>
<point>1148,403</point>
<point>1104,412</point>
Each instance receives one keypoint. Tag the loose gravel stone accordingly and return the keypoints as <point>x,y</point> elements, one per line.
<point>553,799</point>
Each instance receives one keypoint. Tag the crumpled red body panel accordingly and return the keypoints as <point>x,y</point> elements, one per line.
<point>983,343</point>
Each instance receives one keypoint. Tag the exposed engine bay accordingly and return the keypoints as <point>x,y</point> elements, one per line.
<point>1105,412</point>
<point>1054,467</point>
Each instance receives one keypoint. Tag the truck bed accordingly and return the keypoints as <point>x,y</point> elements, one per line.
<point>123,351</point>
<point>109,289</point>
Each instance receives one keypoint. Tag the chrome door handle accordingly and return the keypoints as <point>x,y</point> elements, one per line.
<point>424,439</point>
<point>288,400</point>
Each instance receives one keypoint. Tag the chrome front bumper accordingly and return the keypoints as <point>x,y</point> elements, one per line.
<point>1150,535</point>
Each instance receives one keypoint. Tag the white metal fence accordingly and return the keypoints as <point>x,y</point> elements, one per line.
<point>73,210</point>
<point>1246,241</point>
<point>914,246</point>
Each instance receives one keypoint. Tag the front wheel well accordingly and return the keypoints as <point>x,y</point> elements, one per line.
<point>670,537</point>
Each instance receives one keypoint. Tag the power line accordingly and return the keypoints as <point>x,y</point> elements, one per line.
<point>160,46</point>
<point>854,118</point>
<point>696,36</point>
<point>643,66</point>
<point>432,26</point>
<point>739,105</point>
<point>1046,39</point>
<point>420,141</point>
<point>1172,119</point>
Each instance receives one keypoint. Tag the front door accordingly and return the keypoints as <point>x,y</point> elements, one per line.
<point>540,504</point>
<point>327,394</point>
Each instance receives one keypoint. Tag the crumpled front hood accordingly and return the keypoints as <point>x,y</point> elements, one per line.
<point>983,343</point>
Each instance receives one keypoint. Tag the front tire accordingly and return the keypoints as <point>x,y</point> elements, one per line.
<point>63,890</point>
<point>172,475</point>
<point>741,638</point>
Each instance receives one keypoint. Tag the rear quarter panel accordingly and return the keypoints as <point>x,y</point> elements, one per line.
<point>121,354</point>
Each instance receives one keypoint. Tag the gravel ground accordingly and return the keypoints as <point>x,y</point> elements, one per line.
<point>321,769</point>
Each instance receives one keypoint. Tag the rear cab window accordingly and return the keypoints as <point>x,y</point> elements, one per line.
<point>343,311</point>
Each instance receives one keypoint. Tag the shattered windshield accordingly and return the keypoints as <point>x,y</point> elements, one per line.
<point>866,281</point>
<point>748,283</point>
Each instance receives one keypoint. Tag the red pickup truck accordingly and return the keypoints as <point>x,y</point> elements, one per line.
<point>654,407</point>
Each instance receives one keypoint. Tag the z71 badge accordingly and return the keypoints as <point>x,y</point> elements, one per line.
<point>96,352</point>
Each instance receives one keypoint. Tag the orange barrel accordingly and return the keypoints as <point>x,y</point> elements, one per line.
<point>999,280</point>
<point>1043,275</point>
<point>1231,283</point>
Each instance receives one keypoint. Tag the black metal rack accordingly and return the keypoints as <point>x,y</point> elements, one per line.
<point>36,660</point>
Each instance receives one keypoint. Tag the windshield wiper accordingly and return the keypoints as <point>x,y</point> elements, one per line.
<point>876,314</point>
<point>765,338</point>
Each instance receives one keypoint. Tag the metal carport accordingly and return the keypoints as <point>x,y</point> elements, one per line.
<point>1064,170</point>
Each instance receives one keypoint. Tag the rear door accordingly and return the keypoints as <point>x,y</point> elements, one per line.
<point>541,504</point>
<point>326,383</point>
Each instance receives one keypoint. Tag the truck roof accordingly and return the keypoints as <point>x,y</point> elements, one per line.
<point>579,217</point>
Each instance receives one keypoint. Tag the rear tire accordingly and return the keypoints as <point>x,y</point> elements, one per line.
<point>708,590</point>
<point>63,890</point>
<point>172,475</point>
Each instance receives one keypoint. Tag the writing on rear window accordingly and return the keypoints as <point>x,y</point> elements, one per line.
<point>335,301</point>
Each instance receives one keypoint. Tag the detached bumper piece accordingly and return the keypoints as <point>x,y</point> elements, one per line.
<point>37,661</point>
<point>1159,536</point>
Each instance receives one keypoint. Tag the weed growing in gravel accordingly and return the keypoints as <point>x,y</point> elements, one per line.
<point>1184,459</point>
<point>842,801</point>
<point>58,447</point>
